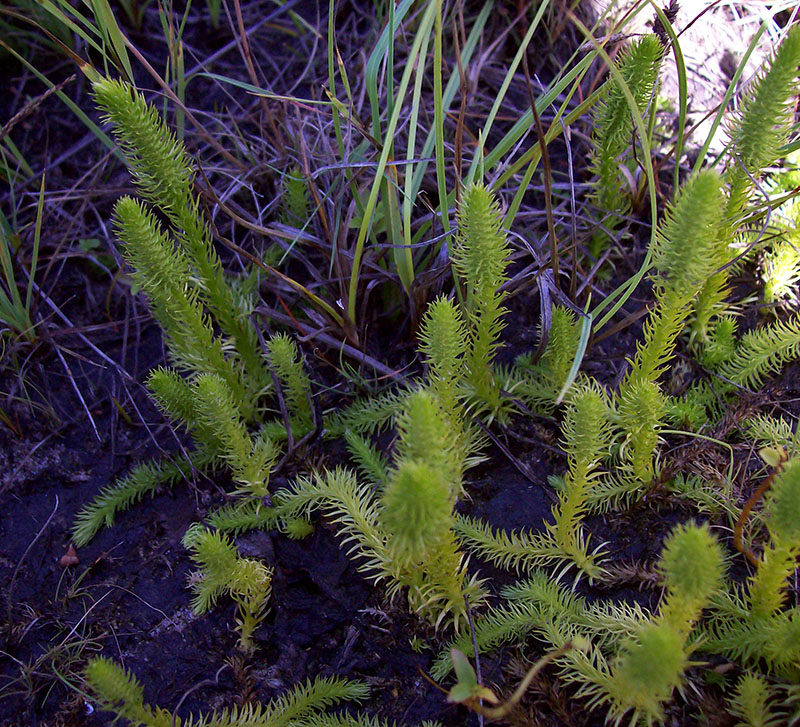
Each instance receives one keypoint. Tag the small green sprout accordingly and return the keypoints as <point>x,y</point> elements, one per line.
<point>469,692</point>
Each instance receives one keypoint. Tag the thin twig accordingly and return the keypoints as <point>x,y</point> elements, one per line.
<point>478,674</point>
<point>310,333</point>
<point>38,535</point>
<point>506,451</point>
<point>205,683</point>
<point>77,391</point>
<point>32,105</point>
<point>745,513</point>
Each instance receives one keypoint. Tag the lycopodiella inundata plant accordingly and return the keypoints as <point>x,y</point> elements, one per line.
<point>640,414</point>
<point>763,351</point>
<point>653,655</point>
<point>167,276</point>
<point>286,361</point>
<point>540,383</point>
<point>780,266</point>
<point>751,703</point>
<point>754,624</point>
<point>458,341</point>
<point>444,343</point>
<point>683,257</point>
<point>118,691</point>
<point>587,434</point>
<point>763,121</point>
<point>296,208</point>
<point>637,660</point>
<point>651,662</point>
<point>402,530</point>
<point>480,258</point>
<point>395,510</point>
<point>612,133</point>
<point>758,130</point>
<point>224,572</point>
<point>163,173</point>
<point>209,409</point>
<point>445,348</point>
<point>686,247</point>
<point>221,377</point>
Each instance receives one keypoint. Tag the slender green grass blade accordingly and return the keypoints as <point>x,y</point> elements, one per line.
<point>531,156</point>
<point>450,92</point>
<point>683,95</point>
<point>402,256</point>
<point>87,31</point>
<point>112,34</point>
<point>37,236</point>
<point>15,152</point>
<point>525,122</point>
<point>96,131</point>
<point>701,157</point>
<point>426,23</point>
<point>583,343</point>
<point>536,151</point>
<point>501,93</point>
<point>438,119</point>
<point>337,123</point>
<point>379,52</point>
<point>14,301</point>
<point>647,163</point>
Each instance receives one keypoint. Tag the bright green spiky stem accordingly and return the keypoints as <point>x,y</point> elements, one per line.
<point>781,271</point>
<point>692,564</point>
<point>586,435</point>
<point>427,436</point>
<point>640,415</point>
<point>647,672</point>
<point>766,593</point>
<point>762,351</point>
<point>763,122</point>
<point>295,210</point>
<point>660,334</point>
<point>751,701</point>
<point>163,173</point>
<point>687,247</point>
<point>416,513</point>
<point>223,571</point>
<point>287,361</point>
<point>119,690</point>
<point>480,258</point>
<point>651,664</point>
<point>758,130</point>
<point>250,458</point>
<point>444,343</point>
<point>613,131</point>
<point>165,275</point>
